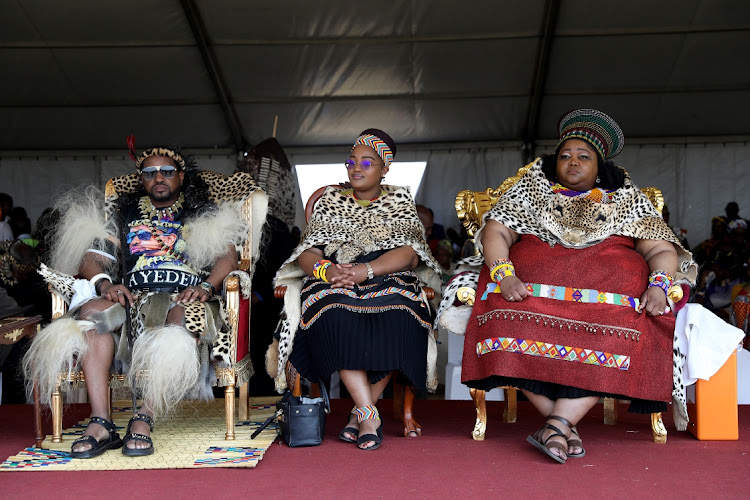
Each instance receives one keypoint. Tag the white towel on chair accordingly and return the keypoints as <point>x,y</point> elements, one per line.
<point>83,290</point>
<point>706,339</point>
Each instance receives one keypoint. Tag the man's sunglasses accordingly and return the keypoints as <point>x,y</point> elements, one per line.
<point>167,171</point>
<point>142,235</point>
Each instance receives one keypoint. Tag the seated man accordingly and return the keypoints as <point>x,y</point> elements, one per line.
<point>174,250</point>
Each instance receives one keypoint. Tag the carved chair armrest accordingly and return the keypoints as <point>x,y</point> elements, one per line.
<point>59,307</point>
<point>466,295</point>
<point>232,297</point>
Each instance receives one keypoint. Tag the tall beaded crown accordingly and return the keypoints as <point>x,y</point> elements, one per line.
<point>594,127</point>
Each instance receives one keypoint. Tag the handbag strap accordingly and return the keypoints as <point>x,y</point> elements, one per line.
<point>324,392</point>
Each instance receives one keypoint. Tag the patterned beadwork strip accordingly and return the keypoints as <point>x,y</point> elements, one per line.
<point>585,295</point>
<point>560,323</point>
<point>368,310</point>
<point>343,291</point>
<point>554,351</point>
<point>223,460</point>
<point>369,412</point>
<point>37,457</point>
<point>378,144</point>
<point>248,452</point>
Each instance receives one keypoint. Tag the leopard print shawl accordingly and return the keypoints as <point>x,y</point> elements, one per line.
<point>350,230</point>
<point>529,206</point>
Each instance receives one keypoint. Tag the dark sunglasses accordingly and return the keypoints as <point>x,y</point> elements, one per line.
<point>167,171</point>
<point>142,234</point>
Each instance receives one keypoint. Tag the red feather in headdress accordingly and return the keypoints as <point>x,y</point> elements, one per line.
<point>131,146</point>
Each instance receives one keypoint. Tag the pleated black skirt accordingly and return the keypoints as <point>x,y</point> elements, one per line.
<point>378,327</point>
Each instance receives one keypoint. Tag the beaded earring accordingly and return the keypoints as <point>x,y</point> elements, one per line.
<point>598,180</point>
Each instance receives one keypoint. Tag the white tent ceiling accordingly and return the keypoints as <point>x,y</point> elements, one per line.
<point>82,74</point>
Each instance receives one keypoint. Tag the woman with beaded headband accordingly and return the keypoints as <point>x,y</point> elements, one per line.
<point>354,302</point>
<point>571,300</point>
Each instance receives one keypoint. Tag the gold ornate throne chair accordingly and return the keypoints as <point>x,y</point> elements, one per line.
<point>238,187</point>
<point>470,207</point>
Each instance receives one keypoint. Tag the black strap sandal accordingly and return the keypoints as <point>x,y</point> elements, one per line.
<point>350,430</point>
<point>545,446</point>
<point>132,436</point>
<point>111,442</point>
<point>367,413</point>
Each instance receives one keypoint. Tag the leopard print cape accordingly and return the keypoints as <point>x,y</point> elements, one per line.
<point>531,207</point>
<point>350,230</point>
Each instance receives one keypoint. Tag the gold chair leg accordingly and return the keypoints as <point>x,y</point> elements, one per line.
<point>481,406</point>
<point>38,436</point>
<point>658,429</point>
<point>510,412</point>
<point>57,414</point>
<point>229,410</point>
<point>244,408</point>
<point>610,411</point>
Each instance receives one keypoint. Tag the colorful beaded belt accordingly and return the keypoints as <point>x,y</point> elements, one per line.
<point>585,295</point>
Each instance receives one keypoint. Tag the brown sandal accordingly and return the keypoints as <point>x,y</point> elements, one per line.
<point>544,445</point>
<point>575,441</point>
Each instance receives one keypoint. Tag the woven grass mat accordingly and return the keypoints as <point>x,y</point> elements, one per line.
<point>192,438</point>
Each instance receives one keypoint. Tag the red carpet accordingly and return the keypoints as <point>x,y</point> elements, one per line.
<point>622,462</point>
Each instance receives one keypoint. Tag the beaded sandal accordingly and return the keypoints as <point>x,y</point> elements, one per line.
<point>111,442</point>
<point>132,436</point>
<point>545,446</point>
<point>350,430</point>
<point>369,412</point>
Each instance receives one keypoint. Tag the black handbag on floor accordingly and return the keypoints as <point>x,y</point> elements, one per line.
<point>302,420</point>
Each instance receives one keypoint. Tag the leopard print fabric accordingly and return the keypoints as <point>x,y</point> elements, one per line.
<point>235,187</point>
<point>60,283</point>
<point>530,207</point>
<point>349,230</point>
<point>679,396</point>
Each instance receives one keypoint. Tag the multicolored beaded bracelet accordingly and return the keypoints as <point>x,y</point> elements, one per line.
<point>502,268</point>
<point>662,279</point>
<point>319,269</point>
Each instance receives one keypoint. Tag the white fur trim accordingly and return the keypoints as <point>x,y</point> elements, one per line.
<point>454,319</point>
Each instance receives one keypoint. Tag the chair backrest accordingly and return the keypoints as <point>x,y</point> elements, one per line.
<point>236,187</point>
<point>310,205</point>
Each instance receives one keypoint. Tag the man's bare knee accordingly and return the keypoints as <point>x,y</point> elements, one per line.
<point>94,306</point>
<point>176,316</point>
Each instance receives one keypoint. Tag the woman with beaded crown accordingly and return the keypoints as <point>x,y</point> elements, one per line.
<point>354,302</point>
<point>572,302</point>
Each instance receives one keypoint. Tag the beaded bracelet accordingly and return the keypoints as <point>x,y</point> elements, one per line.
<point>502,268</point>
<point>662,279</point>
<point>322,273</point>
<point>319,269</point>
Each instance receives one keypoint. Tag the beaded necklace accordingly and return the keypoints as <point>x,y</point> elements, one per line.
<point>149,211</point>
<point>164,217</point>
<point>596,194</point>
<point>365,203</point>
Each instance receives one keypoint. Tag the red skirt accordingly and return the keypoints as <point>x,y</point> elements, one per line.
<point>580,342</point>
